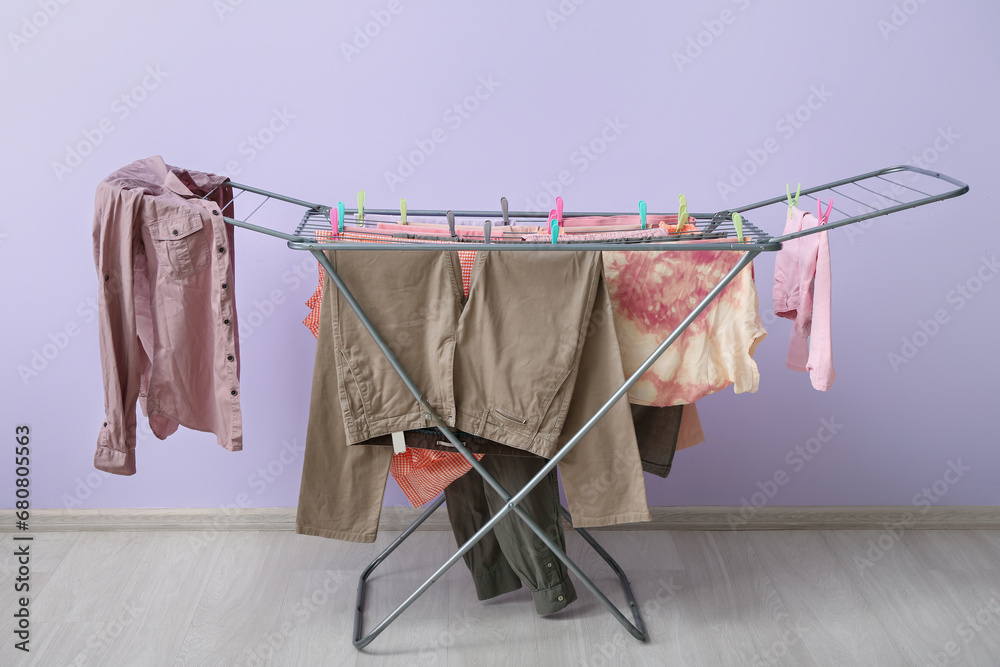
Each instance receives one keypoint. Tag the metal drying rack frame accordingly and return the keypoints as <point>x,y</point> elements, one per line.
<point>714,232</point>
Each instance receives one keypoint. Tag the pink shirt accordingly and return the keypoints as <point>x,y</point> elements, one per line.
<point>167,316</point>
<point>802,294</point>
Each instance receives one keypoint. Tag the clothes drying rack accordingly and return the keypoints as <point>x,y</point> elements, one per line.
<point>858,198</point>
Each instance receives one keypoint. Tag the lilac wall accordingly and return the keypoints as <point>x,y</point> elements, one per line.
<point>689,92</point>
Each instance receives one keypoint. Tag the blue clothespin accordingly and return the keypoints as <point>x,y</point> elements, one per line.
<point>738,221</point>
<point>340,217</point>
<point>554,227</point>
<point>642,214</point>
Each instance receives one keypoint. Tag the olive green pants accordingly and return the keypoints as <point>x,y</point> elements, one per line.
<point>511,553</point>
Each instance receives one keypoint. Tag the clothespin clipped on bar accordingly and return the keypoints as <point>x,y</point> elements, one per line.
<point>642,214</point>
<point>738,222</point>
<point>487,231</point>
<point>340,217</point>
<point>682,213</point>
<point>554,227</point>
<point>792,202</point>
<point>823,219</point>
<point>503,208</point>
<point>559,210</point>
<point>402,211</point>
<point>451,224</point>
<point>361,208</point>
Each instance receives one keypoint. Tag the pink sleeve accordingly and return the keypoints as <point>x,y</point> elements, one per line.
<point>820,363</point>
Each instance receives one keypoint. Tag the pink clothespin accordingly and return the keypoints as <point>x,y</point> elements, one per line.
<point>819,211</point>
<point>557,212</point>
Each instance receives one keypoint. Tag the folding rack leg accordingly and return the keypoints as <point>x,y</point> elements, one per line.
<point>513,501</point>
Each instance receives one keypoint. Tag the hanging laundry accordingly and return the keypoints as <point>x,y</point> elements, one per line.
<point>166,307</point>
<point>802,294</point>
<point>651,294</point>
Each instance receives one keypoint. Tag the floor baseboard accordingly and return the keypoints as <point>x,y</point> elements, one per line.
<point>964,517</point>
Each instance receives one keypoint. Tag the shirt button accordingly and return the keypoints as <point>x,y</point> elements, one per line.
<point>233,392</point>
<point>225,286</point>
<point>176,232</point>
<point>560,598</point>
<point>215,213</point>
<point>222,249</point>
<point>105,423</point>
<point>548,565</point>
<point>225,321</point>
<point>106,277</point>
<point>230,357</point>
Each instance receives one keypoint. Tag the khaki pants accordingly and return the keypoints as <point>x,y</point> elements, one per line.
<point>526,362</point>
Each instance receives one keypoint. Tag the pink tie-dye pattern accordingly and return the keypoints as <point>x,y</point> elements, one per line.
<point>652,292</point>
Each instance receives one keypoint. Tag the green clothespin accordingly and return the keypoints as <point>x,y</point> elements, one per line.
<point>682,214</point>
<point>642,214</point>
<point>792,202</point>
<point>738,221</point>
<point>402,211</point>
<point>554,226</point>
<point>361,208</point>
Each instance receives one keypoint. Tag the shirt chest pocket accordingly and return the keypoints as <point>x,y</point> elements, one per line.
<point>183,246</point>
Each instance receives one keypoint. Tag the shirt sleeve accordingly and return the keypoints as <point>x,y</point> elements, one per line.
<point>114,212</point>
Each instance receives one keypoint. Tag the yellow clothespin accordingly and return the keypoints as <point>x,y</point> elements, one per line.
<point>361,208</point>
<point>792,202</point>
<point>682,214</point>
<point>402,211</point>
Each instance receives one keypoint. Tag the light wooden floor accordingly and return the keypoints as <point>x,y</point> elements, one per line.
<point>709,598</point>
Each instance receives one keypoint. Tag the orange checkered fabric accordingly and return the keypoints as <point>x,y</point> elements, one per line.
<point>422,474</point>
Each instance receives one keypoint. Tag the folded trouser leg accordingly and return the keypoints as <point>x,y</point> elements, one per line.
<point>534,562</point>
<point>468,511</point>
<point>536,355</point>
<point>342,487</point>
<point>602,474</point>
